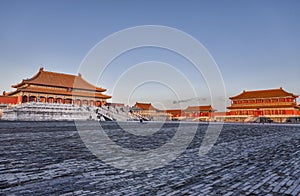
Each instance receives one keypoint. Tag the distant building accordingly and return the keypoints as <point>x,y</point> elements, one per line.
<point>198,111</point>
<point>144,107</point>
<point>147,111</point>
<point>51,87</point>
<point>201,113</point>
<point>175,113</point>
<point>274,103</point>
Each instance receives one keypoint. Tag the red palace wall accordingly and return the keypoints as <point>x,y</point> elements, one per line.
<point>10,100</point>
<point>196,114</point>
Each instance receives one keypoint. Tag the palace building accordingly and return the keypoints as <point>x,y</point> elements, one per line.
<point>198,111</point>
<point>203,113</point>
<point>144,109</point>
<point>148,111</point>
<point>175,113</point>
<point>51,87</point>
<point>269,103</point>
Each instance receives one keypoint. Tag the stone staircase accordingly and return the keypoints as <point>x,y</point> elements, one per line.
<point>251,119</point>
<point>114,114</point>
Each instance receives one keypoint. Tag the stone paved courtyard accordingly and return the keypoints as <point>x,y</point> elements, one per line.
<point>49,158</point>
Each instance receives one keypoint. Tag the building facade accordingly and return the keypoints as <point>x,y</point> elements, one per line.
<point>198,111</point>
<point>201,113</point>
<point>149,112</point>
<point>51,87</point>
<point>269,103</point>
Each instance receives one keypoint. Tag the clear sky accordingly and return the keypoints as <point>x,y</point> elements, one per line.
<point>256,44</point>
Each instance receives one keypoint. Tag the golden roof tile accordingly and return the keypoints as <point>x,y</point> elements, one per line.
<point>47,78</point>
<point>263,94</point>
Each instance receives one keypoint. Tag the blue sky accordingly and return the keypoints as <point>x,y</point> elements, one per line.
<point>256,44</point>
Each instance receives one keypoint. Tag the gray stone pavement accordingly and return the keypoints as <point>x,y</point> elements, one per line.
<point>49,158</point>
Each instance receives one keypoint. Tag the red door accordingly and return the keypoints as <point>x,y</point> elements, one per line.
<point>257,113</point>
